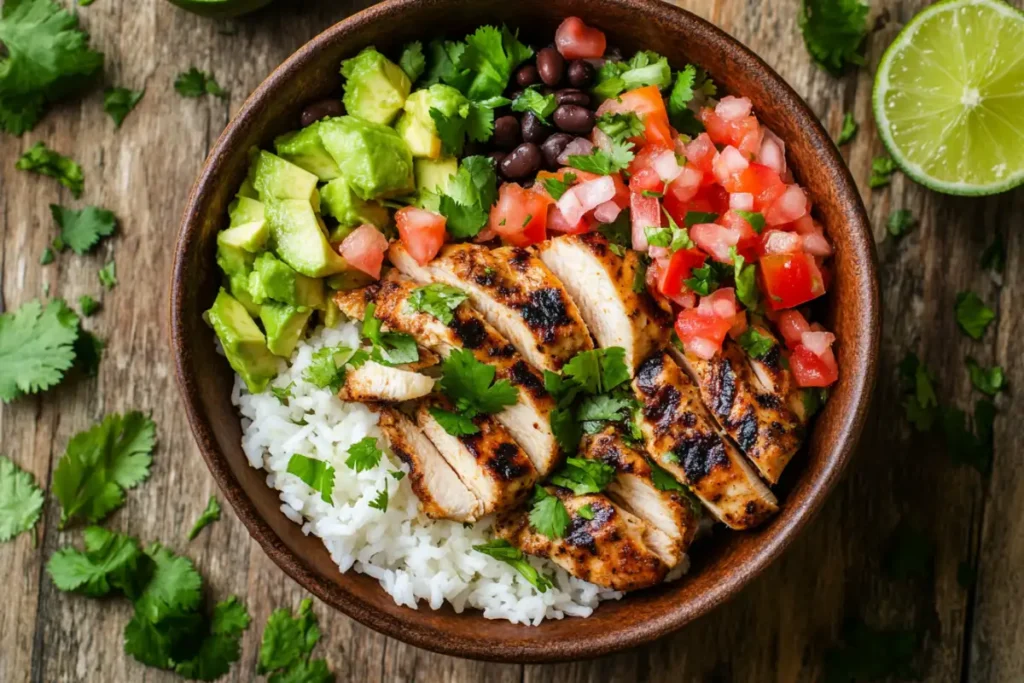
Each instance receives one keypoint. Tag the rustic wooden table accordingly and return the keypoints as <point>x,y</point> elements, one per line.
<point>779,629</point>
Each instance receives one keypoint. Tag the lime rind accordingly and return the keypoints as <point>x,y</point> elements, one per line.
<point>960,128</point>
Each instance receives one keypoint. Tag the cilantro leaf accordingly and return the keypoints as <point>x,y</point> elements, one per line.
<point>586,512</point>
<point>288,640</point>
<point>900,222</point>
<point>316,474</point>
<point>471,193</point>
<point>834,32</point>
<point>988,381</point>
<point>363,454</point>
<point>108,562</point>
<point>119,102</point>
<point>693,218</point>
<point>108,275</point>
<point>210,514</point>
<point>921,404</point>
<point>972,315</point>
<point>438,300</point>
<point>645,68</point>
<point>329,365</point>
<point>556,187</point>
<point>502,550</point>
<point>221,646</point>
<point>380,501</point>
<point>174,587</point>
<point>21,501</point>
<point>548,515</point>
<point>703,280</point>
<point>480,119</point>
<point>88,305</point>
<point>531,99</point>
<point>755,219</point>
<point>196,83</point>
<point>447,62</point>
<point>745,279</point>
<point>662,480</point>
<point>451,129</point>
<point>492,56</point>
<point>100,463</point>
<point>849,130</point>
<point>44,161</point>
<point>45,58</point>
<point>604,407</point>
<point>389,348</point>
<point>36,347</point>
<point>412,61</point>
<point>756,344</point>
<point>453,423</point>
<point>994,256</point>
<point>882,168</point>
<point>312,671</point>
<point>620,127</point>
<point>618,232</point>
<point>687,83</point>
<point>47,257</point>
<point>599,370</point>
<point>282,394</point>
<point>583,476</point>
<point>470,384</point>
<point>82,230</point>
<point>603,162</point>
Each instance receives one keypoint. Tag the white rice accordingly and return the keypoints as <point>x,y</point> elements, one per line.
<point>414,558</point>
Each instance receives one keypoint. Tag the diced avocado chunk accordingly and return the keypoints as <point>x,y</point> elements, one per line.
<point>305,149</point>
<point>433,175</point>
<point>275,178</point>
<point>350,279</point>
<point>274,279</point>
<point>244,344</point>
<point>331,315</point>
<point>298,239</point>
<point>247,190</point>
<point>338,200</point>
<point>238,284</point>
<point>375,87</point>
<point>417,126</point>
<point>284,324</point>
<point>245,210</point>
<point>250,237</point>
<point>373,159</point>
<point>233,259</point>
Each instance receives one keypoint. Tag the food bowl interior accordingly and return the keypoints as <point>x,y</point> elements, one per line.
<point>721,564</point>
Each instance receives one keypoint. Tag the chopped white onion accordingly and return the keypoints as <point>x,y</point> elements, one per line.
<point>741,201</point>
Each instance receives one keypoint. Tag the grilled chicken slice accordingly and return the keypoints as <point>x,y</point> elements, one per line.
<point>375,382</point>
<point>609,549</point>
<point>670,514</point>
<point>601,283</point>
<point>442,494</point>
<point>765,429</point>
<point>427,359</point>
<point>776,380</point>
<point>682,438</point>
<point>529,419</point>
<point>515,292</point>
<point>489,463</point>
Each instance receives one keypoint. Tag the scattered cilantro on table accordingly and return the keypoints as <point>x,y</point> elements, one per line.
<point>439,300</point>
<point>882,169</point>
<point>210,514</point>
<point>412,61</point>
<point>108,275</point>
<point>110,561</point>
<point>502,550</point>
<point>583,476</point>
<point>849,130</point>
<point>44,57</point>
<point>532,100</point>
<point>921,403</point>
<point>42,160</point>
<point>287,646</point>
<point>364,454</point>
<point>88,353</point>
<point>37,347</point>
<point>900,223</point>
<point>82,230</point>
<point>548,515</point>
<point>119,102</point>
<point>972,315</point>
<point>100,464</point>
<point>834,32</point>
<point>316,474</point>
<point>986,380</point>
<point>196,83</point>
<point>21,501</point>
<point>88,305</point>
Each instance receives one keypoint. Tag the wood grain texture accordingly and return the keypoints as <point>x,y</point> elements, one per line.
<point>777,630</point>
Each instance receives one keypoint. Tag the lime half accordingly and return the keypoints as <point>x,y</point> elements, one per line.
<point>949,97</point>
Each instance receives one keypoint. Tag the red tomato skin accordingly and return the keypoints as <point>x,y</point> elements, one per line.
<point>789,280</point>
<point>646,102</point>
<point>691,323</point>
<point>792,324</point>
<point>421,231</point>
<point>760,181</point>
<point>575,40</point>
<point>364,249</point>
<point>811,370</point>
<point>646,180</point>
<point>558,224</point>
<point>749,242</point>
<point>520,216</point>
<point>680,267</point>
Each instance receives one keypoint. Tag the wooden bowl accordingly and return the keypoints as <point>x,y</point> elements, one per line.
<point>722,565</point>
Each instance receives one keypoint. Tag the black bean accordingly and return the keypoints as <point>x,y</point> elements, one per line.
<point>553,148</point>
<point>572,96</point>
<point>527,75</point>
<point>506,132</point>
<point>514,93</point>
<point>498,157</point>
<point>523,161</point>
<point>320,110</point>
<point>550,66</point>
<point>581,73</point>
<point>572,118</point>
<point>533,129</point>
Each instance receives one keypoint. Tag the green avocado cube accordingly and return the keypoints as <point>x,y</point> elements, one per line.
<point>247,190</point>
<point>245,210</point>
<point>374,159</point>
<point>375,87</point>
<point>233,259</point>
<point>274,279</point>
<point>285,325</point>
<point>433,175</point>
<point>297,237</point>
<point>250,237</point>
<point>238,285</point>
<point>338,200</point>
<point>243,343</point>
<point>275,178</point>
<point>417,126</point>
<point>305,149</point>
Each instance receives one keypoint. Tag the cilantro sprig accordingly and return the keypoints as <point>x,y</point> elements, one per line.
<point>583,476</point>
<point>364,454</point>
<point>470,384</point>
<point>834,32</point>
<point>972,315</point>
<point>620,127</point>
<point>287,647</point>
<point>532,100</point>
<point>986,380</point>
<point>502,550</point>
<point>439,300</point>
<point>467,202</point>
<point>848,131</point>
<point>389,348</point>
<point>210,515</point>
<point>119,102</point>
<point>644,68</point>
<point>592,373</point>
<point>37,346</point>
<point>82,230</point>
<point>330,364</point>
<point>195,83</point>
<point>21,500</point>
<point>604,162</point>
<point>42,160</point>
<point>548,515</point>
<point>316,474</point>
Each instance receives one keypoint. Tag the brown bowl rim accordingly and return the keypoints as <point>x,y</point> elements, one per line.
<point>861,374</point>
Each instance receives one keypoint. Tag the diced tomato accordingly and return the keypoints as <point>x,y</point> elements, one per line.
<point>780,242</point>
<point>680,267</point>
<point>790,205</point>
<point>646,103</point>
<point>644,159</point>
<point>421,231</point>
<point>789,280</point>
<point>749,241</point>
<point>701,152</point>
<point>558,224</point>
<point>760,181</point>
<point>645,212</point>
<point>743,133</point>
<point>792,325</point>
<point>701,334</point>
<point>364,249</point>
<point>576,40</point>
<point>812,370</point>
<point>646,180</point>
<point>716,240</point>
<point>521,216</point>
<point>708,199</point>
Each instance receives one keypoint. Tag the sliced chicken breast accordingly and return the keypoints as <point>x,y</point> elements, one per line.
<point>683,439</point>
<point>765,429</point>
<point>442,494</point>
<point>775,379</point>
<point>375,382</point>
<point>602,285</point>
<point>515,292</point>
<point>529,419</point>
<point>608,549</point>
<point>427,359</point>
<point>489,463</point>
<point>670,513</point>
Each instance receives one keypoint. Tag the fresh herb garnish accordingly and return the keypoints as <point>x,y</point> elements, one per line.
<point>470,384</point>
<point>210,515</point>
<point>364,454</point>
<point>620,127</point>
<point>556,187</point>
<point>328,367</point>
<point>834,32</point>
<point>37,346</point>
<point>389,348</point>
<point>531,99</point>
<point>108,275</point>
<point>583,476</point>
<point>972,315</point>
<point>662,480</point>
<point>603,162</point>
<point>586,512</point>
<point>88,305</point>
<point>693,218</point>
<point>196,83</point>
<point>849,130</point>
<point>644,68</point>
<point>745,279</point>
<point>438,300</point>
<point>756,344</point>
<point>548,515</point>
<point>287,645</point>
<point>119,102</point>
<point>882,169</point>
<point>82,230</point>
<point>471,192</point>
<point>412,61</point>
<point>989,381</point>
<point>492,56</point>
<point>502,550</point>
<point>316,474</point>
<point>688,82</point>
<point>44,161</point>
<point>380,501</point>
<point>453,423</point>
<point>21,501</point>
<point>598,370</point>
<point>755,219</point>
<point>703,280</point>
<point>900,223</point>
